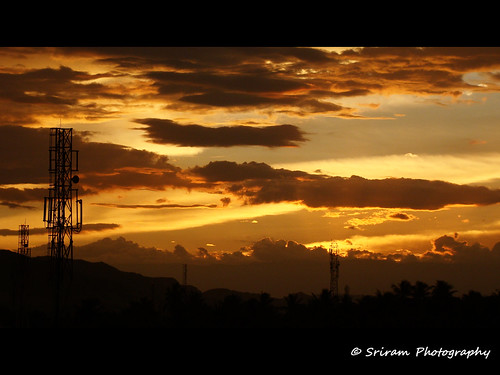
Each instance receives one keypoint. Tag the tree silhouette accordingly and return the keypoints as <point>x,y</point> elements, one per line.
<point>324,299</point>
<point>420,291</point>
<point>141,314</point>
<point>403,290</point>
<point>264,313</point>
<point>292,301</point>
<point>442,291</point>
<point>322,307</point>
<point>184,307</point>
<point>294,311</point>
<point>229,313</point>
<point>406,307</point>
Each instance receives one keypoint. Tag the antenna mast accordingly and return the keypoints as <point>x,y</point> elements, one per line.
<point>334,269</point>
<point>62,202</point>
<point>23,245</point>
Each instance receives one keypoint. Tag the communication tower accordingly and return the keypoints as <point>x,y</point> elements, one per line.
<point>62,208</point>
<point>23,245</point>
<point>334,269</point>
<point>22,277</point>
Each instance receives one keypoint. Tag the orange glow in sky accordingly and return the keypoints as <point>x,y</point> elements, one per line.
<point>384,150</point>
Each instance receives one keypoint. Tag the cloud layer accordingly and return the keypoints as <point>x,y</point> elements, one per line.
<point>102,166</point>
<point>28,94</point>
<point>299,81</point>
<point>259,183</point>
<point>109,166</point>
<point>165,131</point>
<point>93,227</point>
<point>445,249</point>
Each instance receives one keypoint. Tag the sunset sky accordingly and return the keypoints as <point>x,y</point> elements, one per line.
<point>390,151</point>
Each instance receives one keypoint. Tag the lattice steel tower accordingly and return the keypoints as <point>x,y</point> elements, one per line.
<point>23,247</point>
<point>62,208</point>
<point>334,270</point>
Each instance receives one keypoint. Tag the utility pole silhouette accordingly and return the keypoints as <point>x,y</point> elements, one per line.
<point>62,208</point>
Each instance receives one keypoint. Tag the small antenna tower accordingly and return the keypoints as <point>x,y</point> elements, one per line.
<point>24,239</point>
<point>62,208</point>
<point>334,269</point>
<point>22,275</point>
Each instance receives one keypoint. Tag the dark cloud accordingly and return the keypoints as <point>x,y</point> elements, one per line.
<point>269,250</point>
<point>93,227</point>
<point>97,227</point>
<point>23,155</point>
<point>62,92</point>
<point>266,82</point>
<point>16,205</point>
<point>445,249</point>
<point>15,232</point>
<point>181,253</point>
<point>259,183</point>
<point>24,159</point>
<point>252,81</point>
<point>387,193</point>
<point>201,58</point>
<point>300,81</point>
<point>228,171</point>
<point>136,179</point>
<point>227,99</point>
<point>168,132</point>
<point>225,201</point>
<point>228,78</point>
<point>364,254</point>
<point>300,105</point>
<point>121,251</point>
<point>400,216</point>
<point>299,78</point>
<point>451,249</point>
<point>155,206</point>
<point>433,70</point>
<point>22,195</point>
<point>17,198</point>
<point>107,158</point>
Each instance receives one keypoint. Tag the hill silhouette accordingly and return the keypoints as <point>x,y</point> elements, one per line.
<point>99,295</point>
<point>27,288</point>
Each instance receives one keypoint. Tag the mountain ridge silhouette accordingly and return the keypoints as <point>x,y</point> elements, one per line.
<point>101,296</point>
<point>29,279</point>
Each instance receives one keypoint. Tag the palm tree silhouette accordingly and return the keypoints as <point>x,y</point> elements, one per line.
<point>421,291</point>
<point>403,290</point>
<point>442,291</point>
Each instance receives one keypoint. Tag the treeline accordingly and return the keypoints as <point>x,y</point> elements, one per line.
<point>406,307</point>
